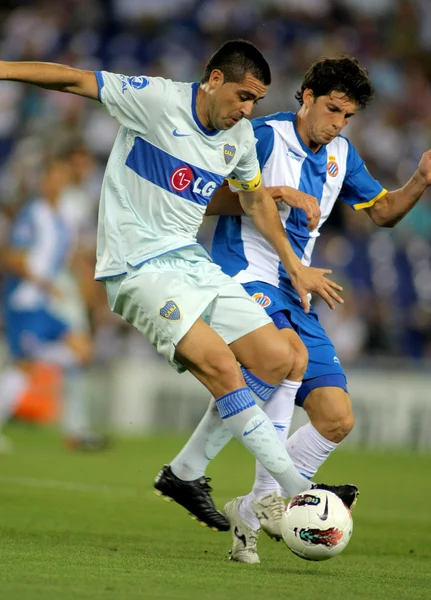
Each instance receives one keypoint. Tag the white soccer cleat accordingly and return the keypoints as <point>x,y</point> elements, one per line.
<point>244,547</point>
<point>270,511</point>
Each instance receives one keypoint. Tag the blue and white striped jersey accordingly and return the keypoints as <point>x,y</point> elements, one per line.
<point>163,169</point>
<point>335,171</point>
<point>40,231</point>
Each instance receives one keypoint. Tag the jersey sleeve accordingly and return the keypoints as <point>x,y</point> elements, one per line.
<point>360,189</point>
<point>246,176</point>
<point>264,138</point>
<point>135,102</point>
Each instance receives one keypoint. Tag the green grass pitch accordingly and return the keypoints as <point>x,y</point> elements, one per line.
<point>76,526</point>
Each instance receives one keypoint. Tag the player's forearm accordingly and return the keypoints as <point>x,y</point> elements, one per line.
<point>224,203</point>
<point>265,217</point>
<point>391,208</point>
<point>17,263</point>
<point>51,76</point>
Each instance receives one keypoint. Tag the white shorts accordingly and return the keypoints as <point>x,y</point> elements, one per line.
<point>165,296</point>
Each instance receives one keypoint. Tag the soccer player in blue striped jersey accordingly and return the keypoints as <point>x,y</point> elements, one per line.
<point>176,144</point>
<point>38,249</point>
<point>305,151</point>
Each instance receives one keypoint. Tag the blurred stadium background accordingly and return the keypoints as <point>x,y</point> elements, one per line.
<point>383,332</point>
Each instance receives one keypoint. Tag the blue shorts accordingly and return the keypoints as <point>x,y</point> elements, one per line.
<point>324,368</point>
<point>27,330</point>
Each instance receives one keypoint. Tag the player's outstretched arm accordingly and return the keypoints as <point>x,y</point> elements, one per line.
<point>260,207</point>
<point>51,76</point>
<point>393,206</point>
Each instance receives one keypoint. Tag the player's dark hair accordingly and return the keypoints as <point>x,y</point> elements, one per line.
<point>236,58</point>
<point>341,74</point>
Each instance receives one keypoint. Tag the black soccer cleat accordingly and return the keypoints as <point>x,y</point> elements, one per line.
<point>194,496</point>
<point>348,493</point>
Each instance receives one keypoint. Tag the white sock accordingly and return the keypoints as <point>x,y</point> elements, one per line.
<point>250,425</point>
<point>210,436</point>
<point>75,413</point>
<point>13,383</point>
<point>280,410</point>
<point>309,449</point>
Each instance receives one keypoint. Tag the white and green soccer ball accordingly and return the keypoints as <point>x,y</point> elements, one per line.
<point>317,525</point>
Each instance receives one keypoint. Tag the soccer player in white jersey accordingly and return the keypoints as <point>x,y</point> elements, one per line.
<point>306,151</point>
<point>176,144</point>
<point>36,252</point>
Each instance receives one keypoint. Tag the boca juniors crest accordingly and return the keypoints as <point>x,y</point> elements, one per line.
<point>170,311</point>
<point>229,151</point>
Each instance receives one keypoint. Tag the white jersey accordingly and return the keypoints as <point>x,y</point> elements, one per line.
<point>335,171</point>
<point>163,169</point>
<point>40,231</point>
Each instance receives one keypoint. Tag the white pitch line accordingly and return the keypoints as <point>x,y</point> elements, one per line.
<point>72,486</point>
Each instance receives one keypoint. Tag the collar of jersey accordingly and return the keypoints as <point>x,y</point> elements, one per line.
<point>205,130</point>
<point>321,150</point>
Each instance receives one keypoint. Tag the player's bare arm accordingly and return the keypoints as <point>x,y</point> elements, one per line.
<point>51,76</point>
<point>297,199</point>
<point>226,203</point>
<point>15,262</point>
<point>393,206</point>
<point>260,207</point>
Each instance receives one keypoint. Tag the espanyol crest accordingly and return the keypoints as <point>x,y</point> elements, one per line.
<point>228,152</point>
<point>170,311</point>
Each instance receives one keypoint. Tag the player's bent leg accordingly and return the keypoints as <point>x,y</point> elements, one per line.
<point>331,419</point>
<point>263,507</point>
<point>13,383</point>
<point>203,352</point>
<point>266,353</point>
<point>300,354</point>
<point>330,411</point>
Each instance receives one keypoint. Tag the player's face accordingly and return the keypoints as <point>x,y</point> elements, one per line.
<point>57,176</point>
<point>326,116</point>
<point>228,103</point>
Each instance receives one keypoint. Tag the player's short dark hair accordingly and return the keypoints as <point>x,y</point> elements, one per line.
<point>340,74</point>
<point>236,58</point>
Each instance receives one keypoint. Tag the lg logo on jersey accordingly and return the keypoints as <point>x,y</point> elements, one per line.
<point>183,177</point>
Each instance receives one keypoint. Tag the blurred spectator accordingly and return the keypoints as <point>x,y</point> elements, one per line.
<point>45,321</point>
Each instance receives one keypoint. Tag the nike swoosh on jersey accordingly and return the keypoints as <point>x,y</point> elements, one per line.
<point>324,516</point>
<point>176,134</point>
<point>251,430</point>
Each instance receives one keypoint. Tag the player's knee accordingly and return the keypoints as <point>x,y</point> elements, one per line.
<point>344,426</point>
<point>300,362</point>
<point>277,363</point>
<point>224,370</point>
<point>335,428</point>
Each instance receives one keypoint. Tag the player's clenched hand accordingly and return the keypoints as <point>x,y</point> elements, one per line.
<point>310,279</point>
<point>297,199</point>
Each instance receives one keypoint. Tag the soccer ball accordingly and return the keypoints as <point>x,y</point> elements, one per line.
<point>316,525</point>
